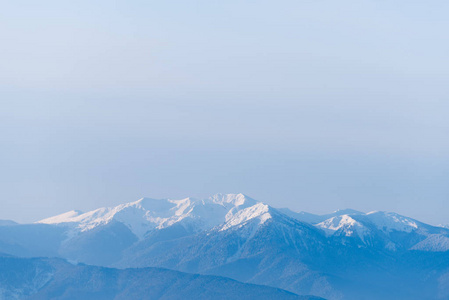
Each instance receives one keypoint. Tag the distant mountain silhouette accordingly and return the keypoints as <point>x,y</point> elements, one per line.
<point>343,255</point>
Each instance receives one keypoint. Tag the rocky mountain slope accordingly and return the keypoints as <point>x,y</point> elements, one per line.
<point>343,255</point>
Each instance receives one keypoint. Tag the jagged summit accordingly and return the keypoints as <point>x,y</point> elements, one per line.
<point>147,214</point>
<point>377,220</point>
<point>259,211</point>
<point>389,221</point>
<point>345,225</point>
<point>226,211</point>
<point>234,199</point>
<point>387,230</point>
<point>236,236</point>
<point>315,219</point>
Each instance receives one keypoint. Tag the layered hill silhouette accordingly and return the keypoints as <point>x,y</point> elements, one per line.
<point>44,278</point>
<point>343,255</point>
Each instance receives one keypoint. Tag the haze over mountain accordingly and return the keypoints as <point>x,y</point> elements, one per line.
<point>316,105</point>
<point>43,278</point>
<point>343,255</point>
<point>332,115</point>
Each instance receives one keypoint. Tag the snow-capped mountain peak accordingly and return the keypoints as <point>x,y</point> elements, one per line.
<point>148,214</point>
<point>388,221</point>
<point>260,211</point>
<point>225,211</point>
<point>234,200</point>
<point>70,216</point>
<point>315,219</point>
<point>228,233</point>
<point>344,224</point>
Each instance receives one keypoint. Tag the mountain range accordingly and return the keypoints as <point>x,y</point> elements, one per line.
<point>50,278</point>
<point>343,255</point>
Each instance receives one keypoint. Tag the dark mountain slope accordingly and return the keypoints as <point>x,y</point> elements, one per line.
<point>42,278</point>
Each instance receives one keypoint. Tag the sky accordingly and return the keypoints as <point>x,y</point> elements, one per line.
<point>314,105</point>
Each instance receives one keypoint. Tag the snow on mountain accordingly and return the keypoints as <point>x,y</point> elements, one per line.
<point>149,214</point>
<point>233,200</point>
<point>225,211</point>
<point>388,230</point>
<point>362,224</point>
<point>388,221</point>
<point>344,224</point>
<point>315,219</point>
<point>67,217</point>
<point>259,210</point>
<point>433,243</point>
<point>235,236</point>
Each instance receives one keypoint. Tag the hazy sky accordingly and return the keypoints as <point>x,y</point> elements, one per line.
<point>315,105</point>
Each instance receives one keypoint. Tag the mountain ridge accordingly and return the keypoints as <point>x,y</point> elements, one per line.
<point>228,210</point>
<point>50,278</point>
<point>341,255</point>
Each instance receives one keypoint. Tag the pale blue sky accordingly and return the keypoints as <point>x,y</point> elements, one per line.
<point>314,105</point>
